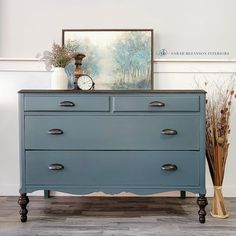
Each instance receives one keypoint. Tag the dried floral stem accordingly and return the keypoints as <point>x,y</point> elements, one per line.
<point>60,56</point>
<point>218,112</point>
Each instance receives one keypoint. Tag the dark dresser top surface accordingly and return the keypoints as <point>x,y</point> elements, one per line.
<point>69,91</point>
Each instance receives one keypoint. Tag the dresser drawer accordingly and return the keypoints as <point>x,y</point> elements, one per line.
<point>156,103</point>
<point>66,103</point>
<point>112,168</point>
<point>112,132</point>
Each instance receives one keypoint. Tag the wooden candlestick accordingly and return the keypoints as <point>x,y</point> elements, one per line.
<point>78,70</point>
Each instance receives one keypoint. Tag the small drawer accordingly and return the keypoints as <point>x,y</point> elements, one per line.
<point>66,103</point>
<point>113,168</point>
<point>106,132</point>
<point>156,103</point>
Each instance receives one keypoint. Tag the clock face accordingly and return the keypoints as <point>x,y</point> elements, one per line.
<point>85,82</point>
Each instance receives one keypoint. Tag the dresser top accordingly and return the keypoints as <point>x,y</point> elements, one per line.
<point>68,91</point>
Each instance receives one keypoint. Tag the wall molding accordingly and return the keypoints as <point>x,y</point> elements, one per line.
<point>21,65</point>
<point>160,66</point>
<point>154,60</point>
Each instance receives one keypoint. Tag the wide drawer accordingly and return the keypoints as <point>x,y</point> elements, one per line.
<point>102,132</point>
<point>156,103</point>
<point>66,103</point>
<point>110,168</point>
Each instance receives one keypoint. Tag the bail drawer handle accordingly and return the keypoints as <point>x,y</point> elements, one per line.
<point>156,104</point>
<point>169,167</point>
<point>66,104</point>
<point>169,132</point>
<point>55,166</point>
<point>55,131</point>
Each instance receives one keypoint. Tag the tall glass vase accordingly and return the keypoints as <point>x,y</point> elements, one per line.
<point>217,169</point>
<point>218,208</point>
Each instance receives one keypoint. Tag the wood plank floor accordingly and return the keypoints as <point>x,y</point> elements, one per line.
<point>113,216</point>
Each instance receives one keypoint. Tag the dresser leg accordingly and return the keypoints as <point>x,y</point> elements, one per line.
<point>183,194</point>
<point>23,201</point>
<point>202,202</point>
<point>46,193</point>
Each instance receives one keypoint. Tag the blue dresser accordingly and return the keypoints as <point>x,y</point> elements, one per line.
<point>142,142</point>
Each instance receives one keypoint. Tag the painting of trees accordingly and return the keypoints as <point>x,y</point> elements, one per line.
<point>115,59</point>
<point>132,61</point>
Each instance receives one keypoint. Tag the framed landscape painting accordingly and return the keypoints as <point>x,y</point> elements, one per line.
<point>115,59</point>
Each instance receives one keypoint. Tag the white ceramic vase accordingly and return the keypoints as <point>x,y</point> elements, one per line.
<point>59,79</point>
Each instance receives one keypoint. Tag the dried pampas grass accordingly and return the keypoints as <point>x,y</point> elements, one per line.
<point>218,113</point>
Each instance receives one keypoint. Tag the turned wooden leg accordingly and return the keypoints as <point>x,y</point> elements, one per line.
<point>23,201</point>
<point>202,202</point>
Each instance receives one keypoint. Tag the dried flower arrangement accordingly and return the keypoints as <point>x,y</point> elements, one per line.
<point>60,56</point>
<point>218,113</point>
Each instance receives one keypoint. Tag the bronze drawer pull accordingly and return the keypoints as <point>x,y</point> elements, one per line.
<point>55,166</point>
<point>156,104</point>
<point>66,104</point>
<point>169,132</point>
<point>169,167</point>
<point>55,131</point>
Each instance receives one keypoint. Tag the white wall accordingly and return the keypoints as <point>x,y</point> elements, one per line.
<point>28,27</point>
